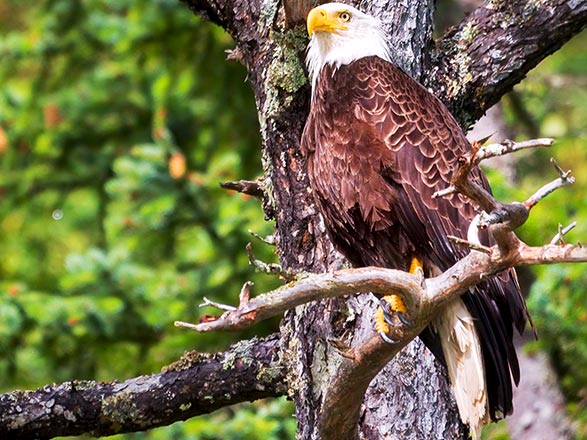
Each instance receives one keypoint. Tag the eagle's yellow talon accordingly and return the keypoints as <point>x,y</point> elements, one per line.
<point>396,304</point>
<point>388,305</point>
<point>417,269</point>
<point>380,325</point>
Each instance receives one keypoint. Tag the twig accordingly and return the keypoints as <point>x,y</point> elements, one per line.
<point>187,325</point>
<point>469,244</point>
<point>466,164</point>
<point>245,293</point>
<point>564,174</point>
<point>269,239</point>
<point>252,188</point>
<point>244,297</point>
<point>208,302</point>
<point>270,268</point>
<point>508,146</point>
<point>559,238</point>
<point>235,55</point>
<point>445,192</point>
<point>564,180</point>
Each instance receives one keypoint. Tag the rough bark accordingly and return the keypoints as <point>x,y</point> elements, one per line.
<point>198,383</point>
<point>494,47</point>
<point>411,398</point>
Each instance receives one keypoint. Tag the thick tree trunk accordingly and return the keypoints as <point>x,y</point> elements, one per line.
<point>410,398</point>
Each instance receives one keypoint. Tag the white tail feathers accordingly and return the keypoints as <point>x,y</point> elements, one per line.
<point>462,352</point>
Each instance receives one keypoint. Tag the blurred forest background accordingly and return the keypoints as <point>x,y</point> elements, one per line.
<point>118,119</point>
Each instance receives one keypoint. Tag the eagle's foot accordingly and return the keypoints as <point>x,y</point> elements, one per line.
<point>417,270</point>
<point>391,310</point>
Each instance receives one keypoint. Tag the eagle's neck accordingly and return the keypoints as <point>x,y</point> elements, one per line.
<point>338,49</point>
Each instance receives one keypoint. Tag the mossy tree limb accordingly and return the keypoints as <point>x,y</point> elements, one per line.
<point>494,47</point>
<point>198,383</point>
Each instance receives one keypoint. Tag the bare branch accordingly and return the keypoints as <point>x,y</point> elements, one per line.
<point>315,287</point>
<point>559,238</point>
<point>270,268</point>
<point>481,153</point>
<point>466,273</point>
<point>547,189</point>
<point>445,192</point>
<point>564,180</point>
<point>552,254</point>
<point>249,187</point>
<point>245,294</point>
<point>494,47</point>
<point>207,302</point>
<point>509,252</point>
<point>270,239</point>
<point>469,244</point>
<point>508,146</point>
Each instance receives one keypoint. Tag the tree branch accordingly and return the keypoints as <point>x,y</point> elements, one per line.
<point>251,188</point>
<point>368,354</point>
<point>313,287</point>
<point>564,180</point>
<point>494,48</point>
<point>198,383</point>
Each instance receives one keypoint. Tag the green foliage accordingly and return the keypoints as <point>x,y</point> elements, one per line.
<point>496,431</point>
<point>118,119</point>
<point>256,421</point>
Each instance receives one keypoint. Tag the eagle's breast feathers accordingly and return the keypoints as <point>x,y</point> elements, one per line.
<point>382,145</point>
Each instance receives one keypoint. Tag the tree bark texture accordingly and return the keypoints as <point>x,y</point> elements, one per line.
<point>198,383</point>
<point>494,47</point>
<point>471,68</point>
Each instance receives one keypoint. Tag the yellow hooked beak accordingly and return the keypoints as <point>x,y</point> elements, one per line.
<point>320,20</point>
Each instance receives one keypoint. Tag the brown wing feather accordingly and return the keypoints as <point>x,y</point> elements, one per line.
<point>379,145</point>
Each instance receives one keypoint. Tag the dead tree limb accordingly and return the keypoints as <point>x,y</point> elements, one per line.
<point>484,263</point>
<point>363,359</point>
<point>310,287</point>
<point>251,188</point>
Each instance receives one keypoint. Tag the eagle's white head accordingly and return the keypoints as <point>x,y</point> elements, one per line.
<point>341,34</point>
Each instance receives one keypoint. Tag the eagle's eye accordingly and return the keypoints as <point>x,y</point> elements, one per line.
<point>345,16</point>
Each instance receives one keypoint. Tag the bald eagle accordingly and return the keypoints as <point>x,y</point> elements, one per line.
<point>378,146</point>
